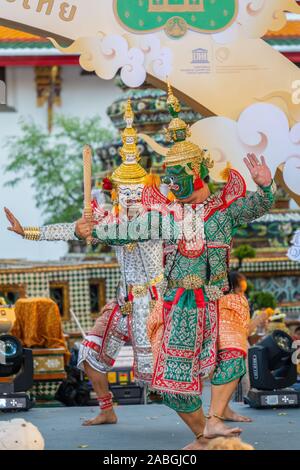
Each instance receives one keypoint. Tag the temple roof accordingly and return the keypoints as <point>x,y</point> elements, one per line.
<point>288,38</point>
<point>18,40</point>
<point>18,43</point>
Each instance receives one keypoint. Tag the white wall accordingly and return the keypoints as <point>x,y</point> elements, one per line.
<point>82,96</point>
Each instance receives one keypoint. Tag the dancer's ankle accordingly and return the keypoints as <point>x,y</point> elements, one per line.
<point>105,403</point>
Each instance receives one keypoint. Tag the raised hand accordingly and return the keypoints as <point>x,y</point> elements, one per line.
<point>260,172</point>
<point>15,225</point>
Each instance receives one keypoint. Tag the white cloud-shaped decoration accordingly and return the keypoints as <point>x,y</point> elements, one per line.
<point>106,54</point>
<point>262,129</point>
<point>157,58</point>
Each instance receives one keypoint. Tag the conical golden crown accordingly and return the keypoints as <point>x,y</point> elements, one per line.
<point>182,151</point>
<point>129,172</point>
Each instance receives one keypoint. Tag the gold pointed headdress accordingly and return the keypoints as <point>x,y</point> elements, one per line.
<point>130,171</point>
<point>182,151</point>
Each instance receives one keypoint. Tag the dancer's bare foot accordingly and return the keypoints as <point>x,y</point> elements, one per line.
<point>231,415</point>
<point>197,444</point>
<point>105,417</point>
<point>215,427</point>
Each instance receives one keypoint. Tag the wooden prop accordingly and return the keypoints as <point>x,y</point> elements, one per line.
<point>87,180</point>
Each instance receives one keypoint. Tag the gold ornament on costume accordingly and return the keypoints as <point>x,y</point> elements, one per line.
<point>32,233</point>
<point>129,172</point>
<point>183,151</point>
<point>172,100</point>
<point>225,173</point>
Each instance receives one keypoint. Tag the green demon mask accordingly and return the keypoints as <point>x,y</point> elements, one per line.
<point>184,180</point>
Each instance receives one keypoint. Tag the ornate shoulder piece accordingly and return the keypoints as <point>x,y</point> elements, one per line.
<point>152,198</point>
<point>234,189</point>
<point>102,215</point>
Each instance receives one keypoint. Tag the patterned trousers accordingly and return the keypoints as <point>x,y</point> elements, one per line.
<point>111,331</point>
<point>231,365</point>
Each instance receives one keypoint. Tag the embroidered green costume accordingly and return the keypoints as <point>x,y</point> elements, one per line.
<point>196,279</point>
<point>197,264</point>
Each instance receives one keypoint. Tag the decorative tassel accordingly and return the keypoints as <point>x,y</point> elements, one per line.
<point>152,180</point>
<point>114,195</point>
<point>171,196</point>
<point>198,183</point>
<point>117,210</point>
<point>225,173</point>
<point>107,184</point>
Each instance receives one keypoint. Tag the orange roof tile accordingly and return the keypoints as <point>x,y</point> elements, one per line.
<point>12,35</point>
<point>291,29</point>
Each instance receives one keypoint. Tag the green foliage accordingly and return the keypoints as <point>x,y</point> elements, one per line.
<point>242,252</point>
<point>263,299</point>
<point>53,162</point>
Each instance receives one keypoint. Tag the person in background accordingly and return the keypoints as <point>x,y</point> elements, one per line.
<point>235,326</point>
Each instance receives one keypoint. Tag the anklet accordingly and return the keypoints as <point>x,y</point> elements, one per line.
<point>105,402</point>
<point>219,417</point>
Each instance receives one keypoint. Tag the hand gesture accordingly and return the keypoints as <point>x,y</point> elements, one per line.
<point>259,170</point>
<point>84,228</point>
<point>15,225</point>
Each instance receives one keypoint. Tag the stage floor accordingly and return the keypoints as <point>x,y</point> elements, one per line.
<point>154,427</point>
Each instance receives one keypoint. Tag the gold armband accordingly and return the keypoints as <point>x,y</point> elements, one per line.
<point>32,233</point>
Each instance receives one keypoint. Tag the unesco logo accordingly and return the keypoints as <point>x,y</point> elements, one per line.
<point>2,92</point>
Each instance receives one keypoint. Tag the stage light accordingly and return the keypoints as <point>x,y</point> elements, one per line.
<point>271,371</point>
<point>15,362</point>
<point>11,353</point>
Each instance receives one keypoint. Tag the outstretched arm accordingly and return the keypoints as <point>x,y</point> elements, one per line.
<point>55,232</point>
<point>256,204</point>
